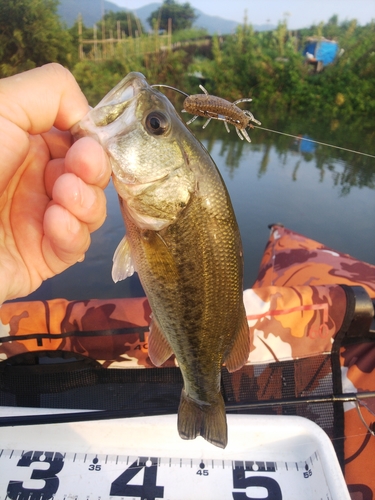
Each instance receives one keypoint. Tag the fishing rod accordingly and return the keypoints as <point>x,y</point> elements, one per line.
<point>96,415</point>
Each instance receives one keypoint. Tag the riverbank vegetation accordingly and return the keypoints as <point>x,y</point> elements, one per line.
<point>267,66</point>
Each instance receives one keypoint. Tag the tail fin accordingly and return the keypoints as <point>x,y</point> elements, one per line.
<point>208,420</point>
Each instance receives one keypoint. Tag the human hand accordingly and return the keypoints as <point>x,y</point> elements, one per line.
<point>51,190</point>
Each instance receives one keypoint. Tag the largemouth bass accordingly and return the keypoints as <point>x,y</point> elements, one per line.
<point>183,240</point>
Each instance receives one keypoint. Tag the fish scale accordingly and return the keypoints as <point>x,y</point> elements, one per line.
<point>183,240</point>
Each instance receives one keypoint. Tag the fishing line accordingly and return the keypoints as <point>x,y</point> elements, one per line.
<point>264,128</point>
<point>316,142</point>
<point>171,88</point>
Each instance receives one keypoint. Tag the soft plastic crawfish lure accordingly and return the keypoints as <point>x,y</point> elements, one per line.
<point>213,107</point>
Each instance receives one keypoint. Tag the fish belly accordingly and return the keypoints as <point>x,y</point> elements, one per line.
<point>192,275</point>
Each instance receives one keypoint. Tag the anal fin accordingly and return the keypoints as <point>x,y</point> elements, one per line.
<point>159,349</point>
<point>239,353</point>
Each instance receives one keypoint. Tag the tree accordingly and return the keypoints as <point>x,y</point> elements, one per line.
<point>129,24</point>
<point>31,34</point>
<point>182,15</point>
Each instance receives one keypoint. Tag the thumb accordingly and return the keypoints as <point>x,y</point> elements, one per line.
<point>31,103</point>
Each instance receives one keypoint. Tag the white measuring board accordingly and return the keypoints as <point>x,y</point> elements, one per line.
<point>144,458</point>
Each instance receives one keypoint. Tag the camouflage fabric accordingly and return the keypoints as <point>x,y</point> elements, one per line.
<point>358,372</point>
<point>294,310</point>
<point>112,332</point>
<point>285,323</point>
<point>292,259</point>
<point>289,323</point>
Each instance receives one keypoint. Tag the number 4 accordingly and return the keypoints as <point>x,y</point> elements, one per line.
<point>146,491</point>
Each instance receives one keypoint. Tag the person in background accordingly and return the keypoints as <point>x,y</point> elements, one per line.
<point>51,188</point>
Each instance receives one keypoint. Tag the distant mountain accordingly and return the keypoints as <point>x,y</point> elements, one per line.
<point>213,24</point>
<point>144,12</point>
<point>91,12</point>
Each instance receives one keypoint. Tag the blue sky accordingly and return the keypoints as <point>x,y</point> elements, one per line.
<point>299,13</point>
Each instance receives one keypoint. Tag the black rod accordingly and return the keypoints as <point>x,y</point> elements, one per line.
<point>96,415</point>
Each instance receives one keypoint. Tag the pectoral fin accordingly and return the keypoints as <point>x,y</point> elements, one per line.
<point>239,353</point>
<point>123,266</point>
<point>159,349</point>
<point>158,255</point>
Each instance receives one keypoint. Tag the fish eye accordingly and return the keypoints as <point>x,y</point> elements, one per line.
<point>157,123</point>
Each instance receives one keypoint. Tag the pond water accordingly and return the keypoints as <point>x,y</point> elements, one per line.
<point>324,193</point>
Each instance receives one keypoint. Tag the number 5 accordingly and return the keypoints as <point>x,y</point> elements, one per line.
<point>242,482</point>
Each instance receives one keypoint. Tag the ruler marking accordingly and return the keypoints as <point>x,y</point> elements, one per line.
<point>172,463</point>
<point>262,466</point>
<point>271,466</point>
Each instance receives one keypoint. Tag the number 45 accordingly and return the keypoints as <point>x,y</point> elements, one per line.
<point>203,472</point>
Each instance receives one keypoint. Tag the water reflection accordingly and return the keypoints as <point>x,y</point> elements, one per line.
<point>324,193</point>
<point>346,169</point>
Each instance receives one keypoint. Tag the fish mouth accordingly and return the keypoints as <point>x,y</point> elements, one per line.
<point>111,106</point>
<point>118,99</point>
<point>128,88</point>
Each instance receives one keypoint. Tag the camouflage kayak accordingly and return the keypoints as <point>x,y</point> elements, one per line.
<point>298,312</point>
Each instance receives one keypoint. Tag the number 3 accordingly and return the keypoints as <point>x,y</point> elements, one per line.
<point>16,490</point>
